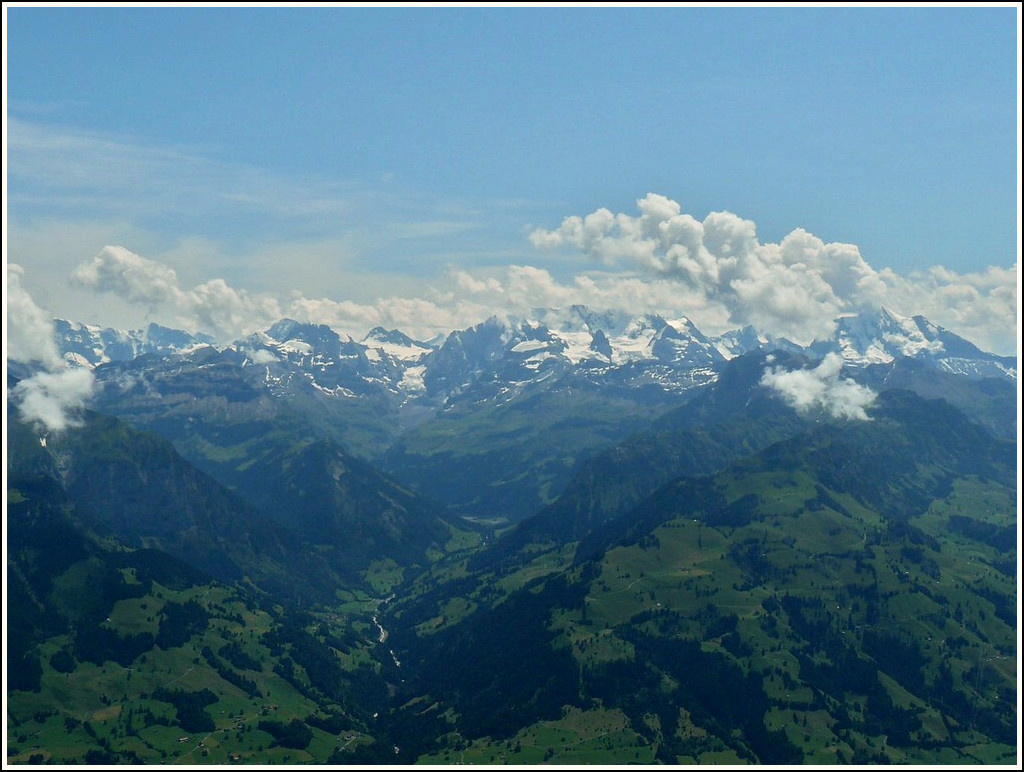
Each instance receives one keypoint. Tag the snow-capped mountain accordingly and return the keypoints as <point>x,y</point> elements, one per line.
<point>746,339</point>
<point>501,359</point>
<point>396,344</point>
<point>295,355</point>
<point>495,414</point>
<point>884,336</point>
<point>87,345</point>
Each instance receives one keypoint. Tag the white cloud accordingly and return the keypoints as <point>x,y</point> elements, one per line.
<point>981,306</point>
<point>715,272</point>
<point>794,288</point>
<point>213,306</point>
<point>365,241</point>
<point>821,387</point>
<point>261,356</point>
<point>226,311</point>
<point>30,333</point>
<point>458,299</point>
<point>529,287</point>
<point>52,398</point>
<point>344,315</point>
<point>129,276</point>
<point>49,397</point>
<point>467,283</point>
<point>781,288</point>
<point>421,318</point>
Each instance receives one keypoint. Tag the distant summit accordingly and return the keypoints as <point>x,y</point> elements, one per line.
<point>502,358</point>
<point>884,336</point>
<point>86,345</point>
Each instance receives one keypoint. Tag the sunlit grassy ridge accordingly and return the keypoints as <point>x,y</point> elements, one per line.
<point>239,668</point>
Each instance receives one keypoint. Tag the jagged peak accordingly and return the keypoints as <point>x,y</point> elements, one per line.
<point>600,344</point>
<point>383,335</point>
<point>281,329</point>
<point>170,336</point>
<point>608,320</point>
<point>309,332</point>
<point>643,323</point>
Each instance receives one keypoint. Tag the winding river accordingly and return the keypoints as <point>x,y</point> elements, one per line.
<point>382,633</point>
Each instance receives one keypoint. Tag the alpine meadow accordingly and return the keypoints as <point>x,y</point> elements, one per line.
<point>408,386</point>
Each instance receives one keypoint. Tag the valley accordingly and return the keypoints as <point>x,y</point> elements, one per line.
<point>578,539</point>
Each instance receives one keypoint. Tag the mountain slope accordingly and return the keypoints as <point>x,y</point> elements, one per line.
<point>853,623</point>
<point>990,401</point>
<point>505,461</point>
<point>147,603</point>
<point>728,419</point>
<point>885,336</point>
<point>702,574</point>
<point>280,456</point>
<point>352,513</point>
<point>119,655</point>
<point>88,345</point>
<point>492,421</point>
<point>133,489</point>
<point>522,402</point>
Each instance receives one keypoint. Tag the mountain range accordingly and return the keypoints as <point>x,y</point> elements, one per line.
<point>554,540</point>
<point>492,419</point>
<point>609,347</point>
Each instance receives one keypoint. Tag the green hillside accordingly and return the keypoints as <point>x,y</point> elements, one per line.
<point>194,674</point>
<point>847,623</point>
<point>739,585</point>
<point>506,460</point>
<point>154,617</point>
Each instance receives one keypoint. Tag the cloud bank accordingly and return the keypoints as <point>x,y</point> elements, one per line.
<point>821,388</point>
<point>53,396</point>
<point>714,271</point>
<point>456,300</point>
<point>213,306</point>
<point>795,288</point>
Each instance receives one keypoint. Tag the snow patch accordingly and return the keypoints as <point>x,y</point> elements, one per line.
<point>295,346</point>
<point>412,379</point>
<point>530,345</point>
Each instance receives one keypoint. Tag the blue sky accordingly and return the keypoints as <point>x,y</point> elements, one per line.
<point>416,166</point>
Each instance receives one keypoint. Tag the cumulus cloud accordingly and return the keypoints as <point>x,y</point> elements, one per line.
<point>30,334</point>
<point>980,306</point>
<point>216,306</point>
<point>135,278</point>
<point>50,397</point>
<point>422,318</point>
<point>471,285</point>
<point>53,398</point>
<point>461,300</point>
<point>213,306</point>
<point>458,300</point>
<point>821,388</point>
<point>662,260</point>
<point>261,356</point>
<point>795,288</point>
